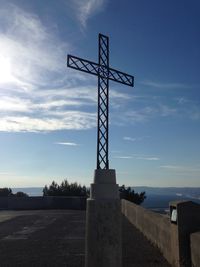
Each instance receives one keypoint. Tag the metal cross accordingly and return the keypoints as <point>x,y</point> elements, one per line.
<point>104,73</point>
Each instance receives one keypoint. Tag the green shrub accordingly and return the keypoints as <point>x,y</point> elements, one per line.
<point>5,192</point>
<point>130,195</point>
<point>65,189</point>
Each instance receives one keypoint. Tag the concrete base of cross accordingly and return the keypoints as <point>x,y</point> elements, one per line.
<point>103,222</point>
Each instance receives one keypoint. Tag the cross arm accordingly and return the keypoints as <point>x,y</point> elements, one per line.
<point>102,71</point>
<point>82,65</point>
<point>120,77</point>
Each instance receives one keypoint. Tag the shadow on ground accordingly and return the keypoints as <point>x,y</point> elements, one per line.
<point>56,238</point>
<point>43,238</point>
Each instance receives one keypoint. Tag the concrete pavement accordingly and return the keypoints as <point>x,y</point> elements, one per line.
<point>57,238</point>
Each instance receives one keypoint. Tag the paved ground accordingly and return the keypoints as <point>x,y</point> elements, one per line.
<point>43,238</point>
<point>56,238</point>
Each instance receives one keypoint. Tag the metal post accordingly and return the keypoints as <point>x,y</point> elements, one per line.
<point>103,103</point>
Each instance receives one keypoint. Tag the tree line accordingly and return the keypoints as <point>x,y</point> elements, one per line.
<point>75,189</point>
<point>7,192</point>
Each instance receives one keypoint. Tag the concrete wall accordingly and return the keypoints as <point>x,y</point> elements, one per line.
<point>154,226</point>
<point>195,249</point>
<point>28,203</point>
<point>179,242</point>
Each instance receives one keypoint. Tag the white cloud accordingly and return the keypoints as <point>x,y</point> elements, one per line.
<point>11,104</point>
<point>138,157</point>
<point>181,100</point>
<point>66,143</point>
<point>134,139</point>
<point>69,120</point>
<point>116,94</point>
<point>38,92</point>
<point>163,85</point>
<point>123,157</point>
<point>81,94</point>
<point>181,168</point>
<point>6,173</point>
<point>167,111</point>
<point>149,158</point>
<point>32,51</point>
<point>140,115</point>
<point>35,92</point>
<point>194,113</point>
<point>127,138</point>
<point>87,8</point>
<point>171,167</point>
<point>146,113</point>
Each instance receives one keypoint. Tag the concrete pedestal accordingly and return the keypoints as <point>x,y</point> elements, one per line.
<point>185,221</point>
<point>103,222</point>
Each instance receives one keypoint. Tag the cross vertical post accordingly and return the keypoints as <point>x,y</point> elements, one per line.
<point>103,104</point>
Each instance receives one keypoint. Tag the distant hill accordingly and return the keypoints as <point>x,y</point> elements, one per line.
<point>157,197</point>
<point>191,192</point>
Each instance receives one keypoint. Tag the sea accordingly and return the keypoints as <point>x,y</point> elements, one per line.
<point>160,203</point>
<point>31,191</point>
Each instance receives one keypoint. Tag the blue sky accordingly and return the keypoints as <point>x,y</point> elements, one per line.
<point>48,111</point>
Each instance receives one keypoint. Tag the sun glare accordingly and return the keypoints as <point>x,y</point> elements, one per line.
<point>5,70</point>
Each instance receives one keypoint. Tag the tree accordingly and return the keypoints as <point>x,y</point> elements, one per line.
<point>65,189</point>
<point>130,195</point>
<point>5,192</point>
<point>52,190</point>
<point>21,194</point>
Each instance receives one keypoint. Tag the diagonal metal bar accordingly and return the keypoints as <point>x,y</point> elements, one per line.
<point>95,69</point>
<point>103,100</point>
<point>82,65</point>
<point>121,77</point>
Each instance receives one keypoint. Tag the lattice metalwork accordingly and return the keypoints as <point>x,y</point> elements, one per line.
<point>103,100</point>
<point>93,68</point>
<point>104,73</point>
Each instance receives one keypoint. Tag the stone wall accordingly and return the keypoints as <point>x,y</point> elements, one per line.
<point>32,203</point>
